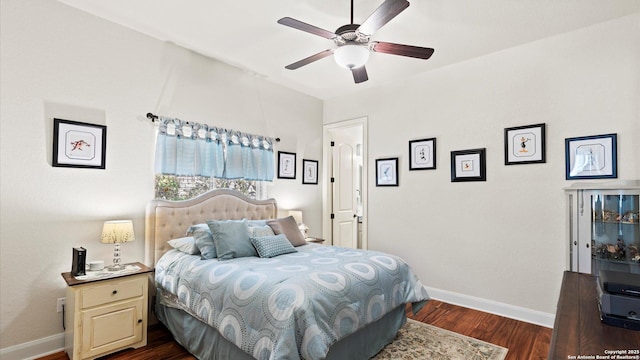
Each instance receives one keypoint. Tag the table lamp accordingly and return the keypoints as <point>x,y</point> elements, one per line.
<point>116,232</point>
<point>297,215</point>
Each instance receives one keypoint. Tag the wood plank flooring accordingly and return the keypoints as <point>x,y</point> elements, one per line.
<point>525,341</point>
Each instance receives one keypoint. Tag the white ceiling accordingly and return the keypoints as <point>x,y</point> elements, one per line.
<point>245,33</point>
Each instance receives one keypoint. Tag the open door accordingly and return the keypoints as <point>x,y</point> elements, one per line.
<point>345,191</point>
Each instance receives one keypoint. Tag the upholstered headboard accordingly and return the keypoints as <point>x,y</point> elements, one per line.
<point>166,220</point>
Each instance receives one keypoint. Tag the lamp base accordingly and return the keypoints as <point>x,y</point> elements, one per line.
<point>115,267</point>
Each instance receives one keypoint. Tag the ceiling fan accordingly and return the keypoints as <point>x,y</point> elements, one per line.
<point>353,40</point>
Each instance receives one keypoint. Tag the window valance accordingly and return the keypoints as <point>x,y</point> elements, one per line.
<point>186,149</point>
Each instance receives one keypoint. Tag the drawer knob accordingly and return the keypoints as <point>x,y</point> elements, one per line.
<point>114,292</point>
<point>139,321</point>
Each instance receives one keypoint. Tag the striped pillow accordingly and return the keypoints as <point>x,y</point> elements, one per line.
<point>270,246</point>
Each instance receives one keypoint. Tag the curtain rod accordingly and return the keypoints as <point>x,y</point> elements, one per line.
<point>154,117</point>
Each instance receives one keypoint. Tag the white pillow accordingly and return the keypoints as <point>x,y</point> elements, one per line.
<point>186,245</point>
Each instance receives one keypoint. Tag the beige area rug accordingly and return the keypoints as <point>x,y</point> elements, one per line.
<point>417,340</point>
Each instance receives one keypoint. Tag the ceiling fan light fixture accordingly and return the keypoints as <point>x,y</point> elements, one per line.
<point>351,56</point>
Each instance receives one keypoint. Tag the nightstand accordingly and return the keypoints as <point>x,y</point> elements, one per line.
<point>315,240</point>
<point>106,312</point>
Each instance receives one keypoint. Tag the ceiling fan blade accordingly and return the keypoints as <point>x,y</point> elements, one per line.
<point>382,15</point>
<point>310,59</point>
<point>360,74</point>
<point>297,24</point>
<point>402,50</point>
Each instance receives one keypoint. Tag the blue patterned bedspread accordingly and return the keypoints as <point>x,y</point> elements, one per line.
<point>292,306</point>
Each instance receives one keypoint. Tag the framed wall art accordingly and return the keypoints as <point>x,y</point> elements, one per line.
<point>310,171</point>
<point>79,145</point>
<point>524,145</point>
<point>286,165</point>
<point>422,154</point>
<point>591,157</point>
<point>387,172</point>
<point>468,165</point>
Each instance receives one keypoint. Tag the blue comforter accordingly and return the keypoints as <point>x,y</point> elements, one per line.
<point>292,306</point>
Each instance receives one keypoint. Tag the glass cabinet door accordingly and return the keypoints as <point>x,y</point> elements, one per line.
<point>615,232</point>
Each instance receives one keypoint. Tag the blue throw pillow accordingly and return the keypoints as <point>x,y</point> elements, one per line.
<point>231,238</point>
<point>270,246</point>
<point>204,242</point>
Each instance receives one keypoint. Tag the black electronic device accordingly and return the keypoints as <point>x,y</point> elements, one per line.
<point>618,282</point>
<point>619,305</point>
<point>79,261</point>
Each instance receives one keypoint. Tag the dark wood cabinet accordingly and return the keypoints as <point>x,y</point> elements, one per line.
<point>578,330</point>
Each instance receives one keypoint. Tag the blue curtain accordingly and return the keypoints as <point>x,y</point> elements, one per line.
<point>191,149</point>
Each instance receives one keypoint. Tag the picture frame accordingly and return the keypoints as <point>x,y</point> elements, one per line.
<point>591,157</point>
<point>79,145</point>
<point>286,165</point>
<point>422,154</point>
<point>310,171</point>
<point>387,172</point>
<point>468,165</point>
<point>525,144</point>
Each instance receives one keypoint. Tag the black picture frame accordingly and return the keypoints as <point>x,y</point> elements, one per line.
<point>422,154</point>
<point>591,157</point>
<point>309,172</point>
<point>79,145</point>
<point>525,144</point>
<point>468,165</point>
<point>387,172</point>
<point>286,165</point>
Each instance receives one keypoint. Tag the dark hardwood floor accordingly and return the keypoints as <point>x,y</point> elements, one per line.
<point>525,341</point>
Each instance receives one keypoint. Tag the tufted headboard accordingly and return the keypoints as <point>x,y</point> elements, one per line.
<point>166,220</point>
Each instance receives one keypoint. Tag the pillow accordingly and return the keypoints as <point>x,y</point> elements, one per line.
<point>186,245</point>
<point>256,223</point>
<point>289,228</point>
<point>231,238</point>
<point>258,231</point>
<point>195,227</point>
<point>204,242</point>
<point>270,246</point>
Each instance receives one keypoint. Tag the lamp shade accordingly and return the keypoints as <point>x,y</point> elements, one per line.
<point>351,56</point>
<point>297,215</point>
<point>117,231</point>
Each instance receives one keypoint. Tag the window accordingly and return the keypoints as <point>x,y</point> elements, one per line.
<point>172,187</point>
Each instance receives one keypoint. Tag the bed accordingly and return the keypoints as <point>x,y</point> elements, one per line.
<point>315,302</point>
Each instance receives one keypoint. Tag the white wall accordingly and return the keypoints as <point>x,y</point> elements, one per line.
<point>499,244</point>
<point>60,62</point>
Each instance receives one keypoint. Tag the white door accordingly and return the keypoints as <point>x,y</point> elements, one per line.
<point>346,162</point>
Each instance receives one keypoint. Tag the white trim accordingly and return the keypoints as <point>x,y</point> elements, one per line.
<point>493,307</point>
<point>34,349</point>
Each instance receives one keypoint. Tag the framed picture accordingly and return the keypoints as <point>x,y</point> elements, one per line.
<point>422,154</point>
<point>591,157</point>
<point>468,165</point>
<point>310,168</point>
<point>524,145</point>
<point>79,145</point>
<point>387,172</point>
<point>286,165</point>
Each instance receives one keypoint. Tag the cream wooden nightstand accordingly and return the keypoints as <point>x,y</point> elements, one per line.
<point>107,313</point>
<point>315,240</point>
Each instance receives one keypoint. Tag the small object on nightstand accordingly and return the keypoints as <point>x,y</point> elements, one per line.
<point>106,313</point>
<point>315,240</point>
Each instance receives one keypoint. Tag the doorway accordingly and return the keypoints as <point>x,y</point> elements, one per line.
<point>344,201</point>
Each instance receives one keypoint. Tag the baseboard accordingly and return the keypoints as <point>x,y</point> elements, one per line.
<point>493,307</point>
<point>34,349</point>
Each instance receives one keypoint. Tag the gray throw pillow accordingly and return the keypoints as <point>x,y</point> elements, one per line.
<point>289,228</point>
<point>204,242</point>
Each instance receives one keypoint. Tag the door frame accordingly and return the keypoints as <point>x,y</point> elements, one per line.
<point>327,163</point>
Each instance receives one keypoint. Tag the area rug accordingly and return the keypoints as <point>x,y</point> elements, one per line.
<point>417,340</point>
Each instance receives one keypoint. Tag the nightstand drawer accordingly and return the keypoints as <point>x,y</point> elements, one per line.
<point>111,291</point>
